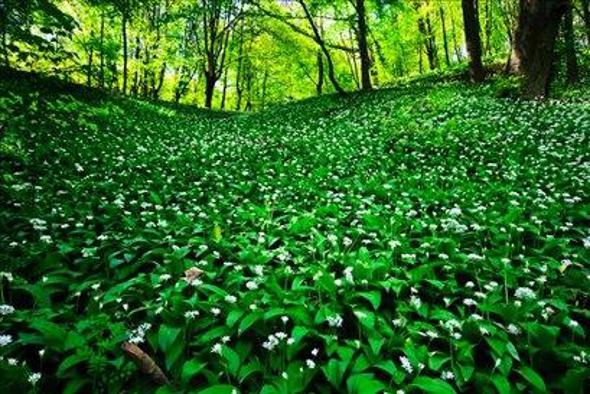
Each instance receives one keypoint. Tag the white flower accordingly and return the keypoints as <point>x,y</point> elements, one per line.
<point>525,293</point>
<point>406,364</point>
<point>215,311</point>
<point>217,348</point>
<point>285,319</point>
<point>334,321</point>
<point>164,277</point>
<point>231,299</point>
<point>315,352</point>
<point>6,275</point>
<point>34,378</point>
<point>251,285</point>
<point>191,314</point>
<point>270,343</point>
<point>455,212</point>
<point>447,375</point>
<point>5,340</point>
<point>469,302</point>
<point>310,363</point>
<point>6,309</point>
<point>512,329</point>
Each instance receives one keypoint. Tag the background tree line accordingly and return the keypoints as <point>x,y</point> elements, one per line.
<point>244,54</point>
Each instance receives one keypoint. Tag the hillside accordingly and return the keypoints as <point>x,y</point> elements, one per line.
<point>427,238</point>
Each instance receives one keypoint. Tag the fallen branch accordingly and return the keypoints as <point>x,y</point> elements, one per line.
<point>145,363</point>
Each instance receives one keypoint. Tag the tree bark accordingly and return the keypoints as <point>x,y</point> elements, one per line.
<point>570,47</point>
<point>534,43</point>
<point>90,60</point>
<point>445,38</point>
<point>363,46</point>
<point>586,18</point>
<point>473,39</point>
<point>210,81</point>
<point>320,42</point>
<point>425,29</point>
<point>124,32</point>
<point>320,81</point>
<point>101,49</point>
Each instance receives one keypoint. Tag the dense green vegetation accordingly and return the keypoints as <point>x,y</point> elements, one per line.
<point>247,54</point>
<point>428,238</point>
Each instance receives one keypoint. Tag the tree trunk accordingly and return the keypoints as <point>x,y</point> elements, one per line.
<point>445,38</point>
<point>472,39</point>
<point>570,47</point>
<point>320,82</point>
<point>210,80</point>
<point>455,44</point>
<point>89,75</point>
<point>534,43</point>
<point>363,46</point>
<point>320,42</point>
<point>101,49</point>
<point>585,14</point>
<point>124,31</point>
<point>224,93</point>
<point>156,92</point>
<point>264,82</point>
<point>425,29</point>
<point>488,25</point>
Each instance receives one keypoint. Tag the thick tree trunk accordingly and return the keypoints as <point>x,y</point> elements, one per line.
<point>472,39</point>
<point>445,38</point>
<point>320,42</point>
<point>534,43</point>
<point>320,82</point>
<point>585,15</point>
<point>570,47</point>
<point>363,46</point>
<point>124,32</point>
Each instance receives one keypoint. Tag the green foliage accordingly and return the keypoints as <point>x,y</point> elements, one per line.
<point>430,238</point>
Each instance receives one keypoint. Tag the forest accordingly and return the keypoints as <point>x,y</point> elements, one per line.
<point>295,196</point>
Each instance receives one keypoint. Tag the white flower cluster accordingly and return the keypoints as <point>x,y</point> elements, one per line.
<point>275,339</point>
<point>335,321</point>
<point>138,335</point>
<point>6,309</point>
<point>525,293</point>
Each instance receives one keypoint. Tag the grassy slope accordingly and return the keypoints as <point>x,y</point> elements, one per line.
<point>98,190</point>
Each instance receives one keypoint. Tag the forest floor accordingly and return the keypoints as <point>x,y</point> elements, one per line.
<point>427,238</point>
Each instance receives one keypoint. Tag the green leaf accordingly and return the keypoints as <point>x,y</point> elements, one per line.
<point>533,378</point>
<point>233,360</point>
<point>167,335</point>
<point>433,386</point>
<point>334,372</point>
<point>501,384</point>
<point>374,297</point>
<point>364,384</point>
<point>219,389</point>
<point>190,369</point>
<point>248,321</point>
<point>69,362</point>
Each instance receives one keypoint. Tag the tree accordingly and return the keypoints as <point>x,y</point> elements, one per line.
<point>362,44</point>
<point>318,38</point>
<point>570,46</point>
<point>218,19</point>
<point>473,39</point>
<point>534,43</point>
